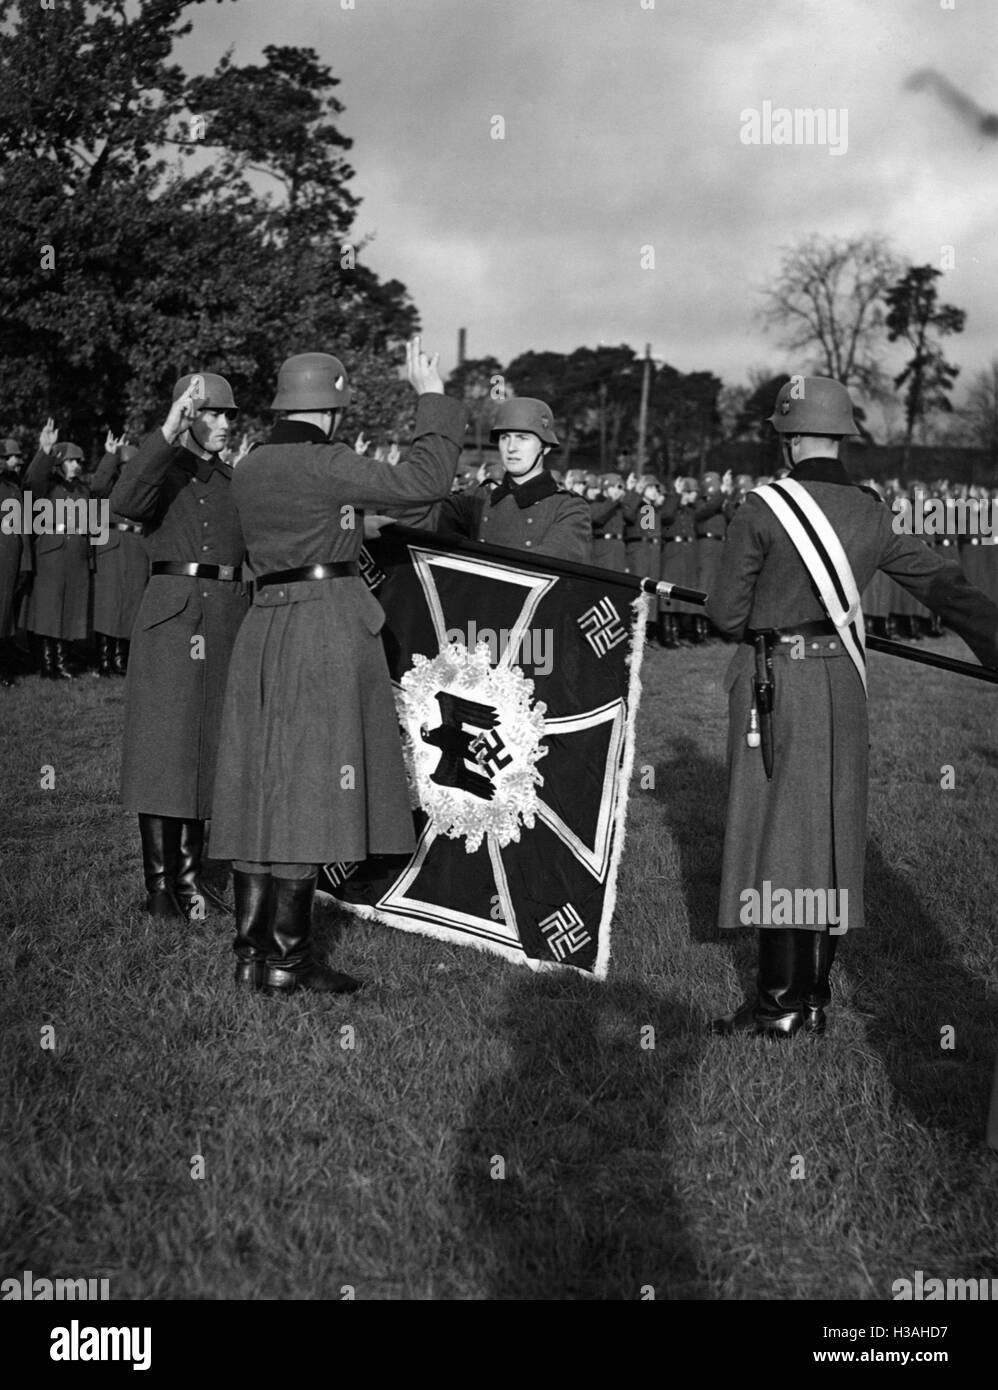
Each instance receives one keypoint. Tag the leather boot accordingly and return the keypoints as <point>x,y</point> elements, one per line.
<point>119,657</point>
<point>105,647</point>
<point>290,965</point>
<point>254,902</point>
<point>817,992</point>
<point>7,672</point>
<point>702,630</point>
<point>159,836</point>
<point>61,663</point>
<point>195,895</point>
<point>667,630</point>
<point>48,659</point>
<point>651,635</point>
<point>777,1010</point>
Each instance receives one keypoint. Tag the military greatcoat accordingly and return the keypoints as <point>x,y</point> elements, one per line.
<point>122,562</point>
<point>184,629</point>
<point>59,603</point>
<point>806,829</point>
<point>538,516</point>
<point>679,556</point>
<point>15,553</point>
<point>310,766</point>
<point>643,535</point>
<point>606,517</point>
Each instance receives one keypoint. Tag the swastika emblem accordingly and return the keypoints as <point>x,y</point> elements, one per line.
<point>565,932</point>
<point>339,873</point>
<point>372,576</point>
<point>602,627</point>
<point>487,750</point>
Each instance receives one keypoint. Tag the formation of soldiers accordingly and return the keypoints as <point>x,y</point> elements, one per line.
<point>67,604</point>
<point>67,607</point>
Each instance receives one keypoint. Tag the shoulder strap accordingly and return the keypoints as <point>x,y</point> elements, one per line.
<point>819,547</point>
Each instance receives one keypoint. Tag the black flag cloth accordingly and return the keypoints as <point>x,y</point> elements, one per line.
<point>517,689</point>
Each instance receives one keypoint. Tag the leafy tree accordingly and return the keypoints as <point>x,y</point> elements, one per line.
<point>159,262</point>
<point>916,316</point>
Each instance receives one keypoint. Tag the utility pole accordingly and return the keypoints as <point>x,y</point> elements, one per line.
<point>643,412</point>
<point>462,344</point>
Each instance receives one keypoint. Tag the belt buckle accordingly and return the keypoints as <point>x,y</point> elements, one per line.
<point>226,571</point>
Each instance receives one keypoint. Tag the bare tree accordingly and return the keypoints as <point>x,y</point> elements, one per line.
<point>827,304</point>
<point>980,410</point>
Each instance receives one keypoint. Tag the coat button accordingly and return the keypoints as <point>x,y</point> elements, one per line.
<point>530,521</point>
<point>832,646</point>
<point>814,646</point>
<point>204,547</point>
<point>526,542</point>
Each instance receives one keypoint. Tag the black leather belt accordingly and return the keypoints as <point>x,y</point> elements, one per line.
<point>605,536</point>
<point>135,526</point>
<point>338,569</point>
<point>644,540</point>
<point>679,540</point>
<point>229,574</point>
<point>946,542</point>
<point>710,538</point>
<point>823,627</point>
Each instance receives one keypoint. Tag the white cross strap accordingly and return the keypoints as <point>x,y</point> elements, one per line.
<point>828,565</point>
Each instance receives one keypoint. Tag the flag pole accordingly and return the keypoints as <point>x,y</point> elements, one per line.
<point>458,545</point>
<point>942,663</point>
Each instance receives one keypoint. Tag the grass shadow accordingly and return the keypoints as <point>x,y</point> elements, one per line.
<point>579,1127</point>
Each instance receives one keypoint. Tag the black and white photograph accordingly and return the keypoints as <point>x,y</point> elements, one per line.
<point>498,672</point>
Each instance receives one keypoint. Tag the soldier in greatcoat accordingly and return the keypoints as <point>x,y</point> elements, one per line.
<point>15,555</point>
<point>58,610</point>
<point>679,562</point>
<point>122,567</point>
<point>642,509</point>
<point>310,765</point>
<point>187,621</point>
<point>805,831</point>
<point>527,509</point>
<point>606,516</point>
<point>712,526</point>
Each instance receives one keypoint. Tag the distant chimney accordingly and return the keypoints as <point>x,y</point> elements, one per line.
<point>462,344</point>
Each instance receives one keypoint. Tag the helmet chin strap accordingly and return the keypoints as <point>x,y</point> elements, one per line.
<point>788,453</point>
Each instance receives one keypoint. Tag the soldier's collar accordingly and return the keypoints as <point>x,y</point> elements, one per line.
<point>525,494</point>
<point>821,471</point>
<point>202,469</point>
<point>296,432</point>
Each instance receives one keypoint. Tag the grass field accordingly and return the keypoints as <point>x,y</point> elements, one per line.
<point>704,1168</point>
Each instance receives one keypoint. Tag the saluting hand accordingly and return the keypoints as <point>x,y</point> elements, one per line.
<point>113,443</point>
<point>49,436</point>
<point>183,412</point>
<point>394,455</point>
<point>422,370</point>
<point>360,444</point>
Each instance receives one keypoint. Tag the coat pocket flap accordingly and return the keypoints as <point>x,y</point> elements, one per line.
<point>164,598</point>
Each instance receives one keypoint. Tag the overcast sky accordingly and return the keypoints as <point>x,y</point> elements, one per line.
<point>622,130</point>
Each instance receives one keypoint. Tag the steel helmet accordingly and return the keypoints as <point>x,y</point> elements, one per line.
<point>527,415</point>
<point>745,481</point>
<point>612,480</point>
<point>710,482</point>
<point>11,447</point>
<point>65,450</point>
<point>312,381</point>
<point>217,391</point>
<point>813,405</point>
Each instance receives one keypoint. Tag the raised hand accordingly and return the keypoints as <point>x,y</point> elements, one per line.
<point>183,412</point>
<point>49,436</point>
<point>360,444</point>
<point>422,370</point>
<point>394,454</point>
